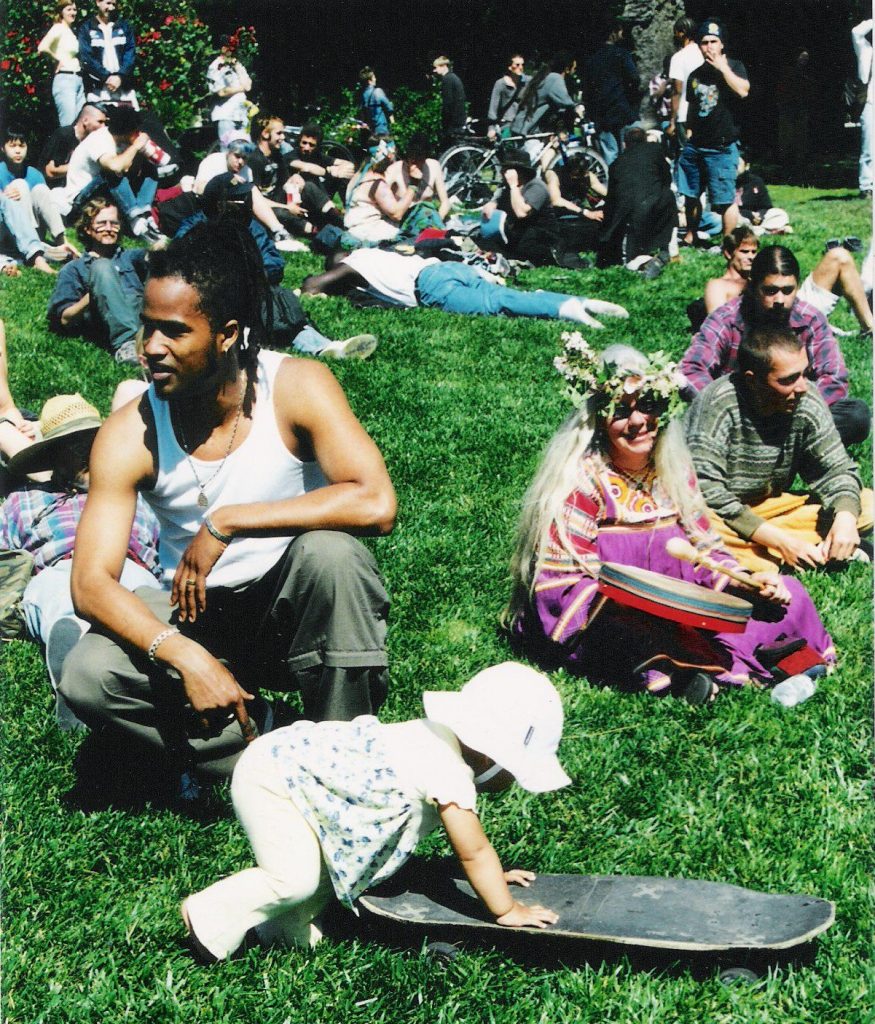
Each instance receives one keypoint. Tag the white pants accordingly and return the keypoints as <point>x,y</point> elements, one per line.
<point>289,887</point>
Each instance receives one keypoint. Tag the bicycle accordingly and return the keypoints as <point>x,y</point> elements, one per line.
<point>472,170</point>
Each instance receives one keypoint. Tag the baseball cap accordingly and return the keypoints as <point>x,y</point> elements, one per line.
<point>710,27</point>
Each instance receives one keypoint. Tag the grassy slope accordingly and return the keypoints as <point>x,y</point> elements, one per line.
<point>745,793</point>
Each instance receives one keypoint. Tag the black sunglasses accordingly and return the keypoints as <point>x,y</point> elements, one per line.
<point>773,289</point>
<point>647,405</point>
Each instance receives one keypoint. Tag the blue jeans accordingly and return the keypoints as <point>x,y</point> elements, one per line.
<point>69,96</point>
<point>131,204</point>
<point>611,142</point>
<point>865,172</point>
<point>309,341</point>
<point>714,168</point>
<point>47,596</point>
<point>18,228</point>
<point>113,310</point>
<point>458,288</point>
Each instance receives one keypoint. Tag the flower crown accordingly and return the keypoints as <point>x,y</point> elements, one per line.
<point>589,375</point>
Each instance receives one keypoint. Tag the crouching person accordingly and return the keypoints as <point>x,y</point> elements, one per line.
<point>259,473</point>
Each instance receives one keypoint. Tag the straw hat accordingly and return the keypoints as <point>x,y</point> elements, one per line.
<point>63,418</point>
<point>512,714</point>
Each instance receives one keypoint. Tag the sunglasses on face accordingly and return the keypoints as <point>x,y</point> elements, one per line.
<point>648,405</point>
<point>773,289</point>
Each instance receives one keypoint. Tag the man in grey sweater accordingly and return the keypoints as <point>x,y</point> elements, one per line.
<point>750,435</point>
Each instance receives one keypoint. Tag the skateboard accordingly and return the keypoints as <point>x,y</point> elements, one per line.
<point>652,921</point>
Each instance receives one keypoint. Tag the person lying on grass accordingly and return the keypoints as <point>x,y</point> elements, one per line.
<point>453,287</point>
<point>341,806</point>
<point>616,485</point>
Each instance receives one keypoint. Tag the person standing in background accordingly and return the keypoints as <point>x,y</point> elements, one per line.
<point>861,36</point>
<point>60,43</point>
<point>108,52</point>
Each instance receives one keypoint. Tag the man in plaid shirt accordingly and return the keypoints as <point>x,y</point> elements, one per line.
<point>771,299</point>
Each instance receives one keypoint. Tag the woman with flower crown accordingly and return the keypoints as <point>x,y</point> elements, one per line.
<point>615,485</point>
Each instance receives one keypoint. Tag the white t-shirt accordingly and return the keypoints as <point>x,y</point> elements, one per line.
<point>211,167</point>
<point>230,108</point>
<point>389,273</point>
<point>687,59</point>
<point>85,165</point>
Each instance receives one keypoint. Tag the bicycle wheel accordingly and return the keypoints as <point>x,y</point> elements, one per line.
<point>332,151</point>
<point>471,173</point>
<point>579,165</point>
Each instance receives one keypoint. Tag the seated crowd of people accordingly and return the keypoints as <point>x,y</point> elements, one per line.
<point>208,528</point>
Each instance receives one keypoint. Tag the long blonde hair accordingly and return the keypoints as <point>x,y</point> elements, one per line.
<point>559,473</point>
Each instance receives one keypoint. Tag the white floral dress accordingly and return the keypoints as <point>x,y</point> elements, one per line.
<point>368,797</point>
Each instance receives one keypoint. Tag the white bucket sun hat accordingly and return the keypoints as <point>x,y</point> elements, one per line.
<point>511,713</point>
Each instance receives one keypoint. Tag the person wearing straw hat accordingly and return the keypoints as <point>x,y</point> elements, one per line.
<point>335,808</point>
<point>42,519</point>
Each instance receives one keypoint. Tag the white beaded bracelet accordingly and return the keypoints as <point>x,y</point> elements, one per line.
<point>156,643</point>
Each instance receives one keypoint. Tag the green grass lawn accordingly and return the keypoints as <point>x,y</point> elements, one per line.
<point>744,792</point>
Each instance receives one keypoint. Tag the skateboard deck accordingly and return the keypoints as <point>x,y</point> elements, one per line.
<point>641,911</point>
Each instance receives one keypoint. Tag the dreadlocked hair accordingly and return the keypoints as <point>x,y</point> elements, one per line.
<point>220,260</point>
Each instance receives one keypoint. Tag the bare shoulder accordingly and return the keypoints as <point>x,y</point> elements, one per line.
<point>304,387</point>
<point>123,445</point>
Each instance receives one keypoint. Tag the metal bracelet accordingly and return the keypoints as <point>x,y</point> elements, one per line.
<point>156,643</point>
<point>222,538</point>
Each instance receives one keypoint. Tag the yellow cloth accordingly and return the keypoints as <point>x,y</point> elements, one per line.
<point>790,512</point>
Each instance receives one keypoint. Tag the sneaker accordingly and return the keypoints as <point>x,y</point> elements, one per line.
<point>126,354</point>
<point>699,690</point>
<point>359,346</point>
<point>57,254</point>
<point>290,245</point>
<point>281,235</point>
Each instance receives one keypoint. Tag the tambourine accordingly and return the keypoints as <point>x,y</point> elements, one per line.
<point>677,600</point>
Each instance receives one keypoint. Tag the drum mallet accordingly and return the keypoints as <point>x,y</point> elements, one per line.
<point>683,550</point>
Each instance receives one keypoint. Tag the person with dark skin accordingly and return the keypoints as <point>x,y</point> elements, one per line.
<point>271,476</point>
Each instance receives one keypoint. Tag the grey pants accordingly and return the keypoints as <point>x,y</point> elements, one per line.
<point>316,622</point>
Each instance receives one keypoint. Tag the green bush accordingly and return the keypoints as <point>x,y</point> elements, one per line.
<point>173,51</point>
<point>414,112</point>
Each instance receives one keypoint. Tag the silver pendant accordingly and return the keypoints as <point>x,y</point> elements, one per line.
<point>202,500</point>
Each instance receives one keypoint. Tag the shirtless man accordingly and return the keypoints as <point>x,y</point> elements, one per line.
<point>835,275</point>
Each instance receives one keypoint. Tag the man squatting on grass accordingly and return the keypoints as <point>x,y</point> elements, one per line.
<point>259,473</point>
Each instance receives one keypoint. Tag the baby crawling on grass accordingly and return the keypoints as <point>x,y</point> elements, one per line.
<point>337,807</point>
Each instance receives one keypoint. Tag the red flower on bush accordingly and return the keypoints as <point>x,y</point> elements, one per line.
<point>169,19</point>
<point>164,85</point>
<point>5,65</point>
<point>30,89</point>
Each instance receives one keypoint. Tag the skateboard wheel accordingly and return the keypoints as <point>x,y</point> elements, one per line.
<point>738,976</point>
<point>443,952</point>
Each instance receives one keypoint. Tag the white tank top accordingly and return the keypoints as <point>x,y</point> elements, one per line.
<point>261,469</point>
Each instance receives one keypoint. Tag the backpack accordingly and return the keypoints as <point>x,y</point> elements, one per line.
<point>16,569</point>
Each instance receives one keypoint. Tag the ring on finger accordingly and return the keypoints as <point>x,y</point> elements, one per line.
<point>191,582</point>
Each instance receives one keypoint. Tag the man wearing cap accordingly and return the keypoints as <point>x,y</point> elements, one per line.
<point>520,220</point>
<point>709,159</point>
<point>101,293</point>
<point>42,519</point>
<point>228,82</point>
